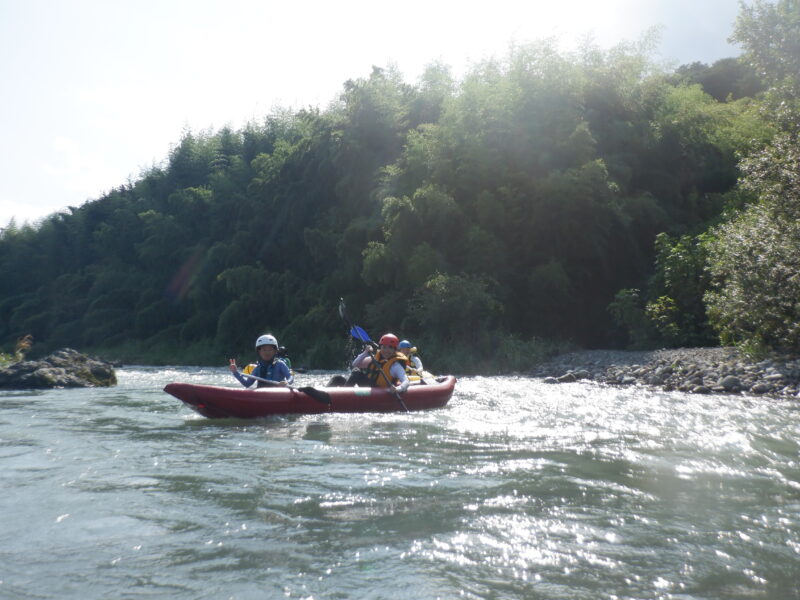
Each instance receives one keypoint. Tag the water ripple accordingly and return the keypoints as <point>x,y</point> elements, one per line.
<point>516,490</point>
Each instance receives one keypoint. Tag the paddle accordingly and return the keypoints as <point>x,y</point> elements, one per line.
<point>356,331</point>
<point>361,335</point>
<point>314,393</point>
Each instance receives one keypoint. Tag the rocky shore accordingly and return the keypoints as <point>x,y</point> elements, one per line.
<point>63,368</point>
<point>693,370</point>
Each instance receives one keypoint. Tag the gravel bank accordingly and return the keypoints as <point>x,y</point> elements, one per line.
<point>694,370</point>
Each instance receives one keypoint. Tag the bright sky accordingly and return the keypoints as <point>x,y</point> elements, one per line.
<point>96,91</point>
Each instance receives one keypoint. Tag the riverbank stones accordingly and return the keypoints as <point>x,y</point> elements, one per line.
<point>692,370</point>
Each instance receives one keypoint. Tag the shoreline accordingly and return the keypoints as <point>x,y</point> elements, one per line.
<point>692,370</point>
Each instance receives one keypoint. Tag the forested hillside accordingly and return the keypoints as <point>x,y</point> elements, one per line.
<point>544,198</point>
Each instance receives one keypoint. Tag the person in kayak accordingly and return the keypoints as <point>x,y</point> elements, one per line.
<point>414,366</point>
<point>269,367</point>
<point>384,368</point>
<point>283,354</point>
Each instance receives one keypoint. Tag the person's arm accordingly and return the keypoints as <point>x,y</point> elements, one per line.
<point>361,361</point>
<point>243,379</point>
<point>399,372</point>
<point>285,373</point>
<point>417,363</point>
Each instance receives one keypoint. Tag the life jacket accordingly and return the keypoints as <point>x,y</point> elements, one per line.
<point>377,366</point>
<point>249,368</point>
<point>263,370</point>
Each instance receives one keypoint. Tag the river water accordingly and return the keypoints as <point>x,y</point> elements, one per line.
<point>516,489</point>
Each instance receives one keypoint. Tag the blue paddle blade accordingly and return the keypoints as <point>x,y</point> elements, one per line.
<point>359,333</point>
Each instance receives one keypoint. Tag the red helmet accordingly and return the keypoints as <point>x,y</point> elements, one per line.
<point>389,339</point>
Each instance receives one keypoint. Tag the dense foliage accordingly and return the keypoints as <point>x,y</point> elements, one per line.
<point>495,212</point>
<point>738,280</point>
<point>755,259</point>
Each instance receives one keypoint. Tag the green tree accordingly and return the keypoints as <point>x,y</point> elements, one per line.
<point>455,311</point>
<point>676,308</point>
<point>726,79</point>
<point>769,33</point>
<point>754,264</point>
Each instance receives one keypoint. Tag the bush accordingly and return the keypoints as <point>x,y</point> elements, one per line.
<point>756,267</point>
<point>627,312</point>
<point>755,260</point>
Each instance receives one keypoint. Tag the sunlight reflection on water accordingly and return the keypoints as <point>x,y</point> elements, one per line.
<point>516,489</point>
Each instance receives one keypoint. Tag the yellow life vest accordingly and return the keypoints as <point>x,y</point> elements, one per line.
<point>378,365</point>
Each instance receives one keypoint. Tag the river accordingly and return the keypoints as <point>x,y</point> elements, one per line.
<point>515,490</point>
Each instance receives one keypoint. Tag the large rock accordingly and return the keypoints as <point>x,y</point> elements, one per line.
<point>731,383</point>
<point>64,368</point>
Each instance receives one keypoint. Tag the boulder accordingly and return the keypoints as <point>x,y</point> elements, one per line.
<point>63,368</point>
<point>761,388</point>
<point>701,389</point>
<point>730,383</point>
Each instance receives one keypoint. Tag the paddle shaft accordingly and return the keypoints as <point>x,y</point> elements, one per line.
<point>316,394</point>
<point>394,390</point>
<point>266,380</point>
<point>343,314</point>
<point>355,331</point>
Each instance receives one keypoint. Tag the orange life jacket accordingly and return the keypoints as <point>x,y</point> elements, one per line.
<point>378,365</point>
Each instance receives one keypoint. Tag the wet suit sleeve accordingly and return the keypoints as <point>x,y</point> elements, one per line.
<point>243,379</point>
<point>282,371</point>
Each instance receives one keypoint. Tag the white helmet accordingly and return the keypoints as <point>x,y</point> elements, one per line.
<point>266,340</point>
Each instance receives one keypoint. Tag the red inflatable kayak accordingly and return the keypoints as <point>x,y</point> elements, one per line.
<point>216,402</point>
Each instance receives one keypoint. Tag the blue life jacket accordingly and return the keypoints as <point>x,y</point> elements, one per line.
<point>269,371</point>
